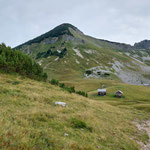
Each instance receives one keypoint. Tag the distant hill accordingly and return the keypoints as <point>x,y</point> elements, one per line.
<point>67,53</point>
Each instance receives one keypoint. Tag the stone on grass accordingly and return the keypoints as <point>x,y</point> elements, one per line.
<point>61,103</point>
<point>66,134</point>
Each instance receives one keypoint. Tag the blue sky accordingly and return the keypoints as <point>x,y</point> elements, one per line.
<point>126,21</point>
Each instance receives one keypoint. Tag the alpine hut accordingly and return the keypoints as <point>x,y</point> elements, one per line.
<point>119,94</point>
<point>101,92</point>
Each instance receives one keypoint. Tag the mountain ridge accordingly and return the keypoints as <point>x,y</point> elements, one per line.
<point>65,53</point>
<point>64,29</point>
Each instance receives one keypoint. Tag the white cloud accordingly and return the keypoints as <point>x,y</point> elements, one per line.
<point>123,21</point>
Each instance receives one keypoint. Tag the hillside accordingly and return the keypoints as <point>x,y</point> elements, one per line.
<point>66,53</point>
<point>30,119</point>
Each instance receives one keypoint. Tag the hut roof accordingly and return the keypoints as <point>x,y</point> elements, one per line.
<point>101,90</point>
<point>119,92</point>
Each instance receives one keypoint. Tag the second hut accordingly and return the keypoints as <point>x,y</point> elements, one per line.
<point>119,94</point>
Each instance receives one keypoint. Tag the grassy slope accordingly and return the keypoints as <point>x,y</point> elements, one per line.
<point>67,68</point>
<point>29,119</point>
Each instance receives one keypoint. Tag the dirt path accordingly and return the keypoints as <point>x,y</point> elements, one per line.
<point>146,127</point>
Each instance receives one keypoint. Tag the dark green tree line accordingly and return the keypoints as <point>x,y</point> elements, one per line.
<point>16,61</point>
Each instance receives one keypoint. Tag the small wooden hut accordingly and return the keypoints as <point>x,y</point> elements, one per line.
<point>101,92</point>
<point>119,94</point>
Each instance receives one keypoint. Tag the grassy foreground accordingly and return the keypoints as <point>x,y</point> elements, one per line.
<point>29,119</point>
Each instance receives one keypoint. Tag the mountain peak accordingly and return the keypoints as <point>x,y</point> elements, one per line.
<point>62,29</point>
<point>56,32</point>
<point>67,25</point>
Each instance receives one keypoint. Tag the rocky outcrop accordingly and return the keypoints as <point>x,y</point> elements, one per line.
<point>143,44</point>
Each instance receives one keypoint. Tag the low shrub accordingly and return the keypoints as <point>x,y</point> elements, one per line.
<point>16,82</point>
<point>82,93</point>
<point>88,72</point>
<point>66,88</point>
<point>70,89</point>
<point>9,81</point>
<point>54,82</point>
<point>61,85</point>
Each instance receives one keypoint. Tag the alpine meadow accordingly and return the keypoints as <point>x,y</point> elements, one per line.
<point>66,90</point>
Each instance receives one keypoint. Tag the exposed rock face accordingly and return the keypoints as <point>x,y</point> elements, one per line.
<point>143,44</point>
<point>120,70</point>
<point>51,40</point>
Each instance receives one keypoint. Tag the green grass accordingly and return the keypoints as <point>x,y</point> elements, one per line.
<point>30,120</point>
<point>135,97</point>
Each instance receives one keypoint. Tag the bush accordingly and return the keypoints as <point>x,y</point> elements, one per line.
<point>54,82</point>
<point>88,72</point>
<point>45,76</point>
<point>16,82</point>
<point>82,93</point>
<point>61,85</point>
<point>106,74</point>
<point>69,89</point>
<point>9,81</point>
